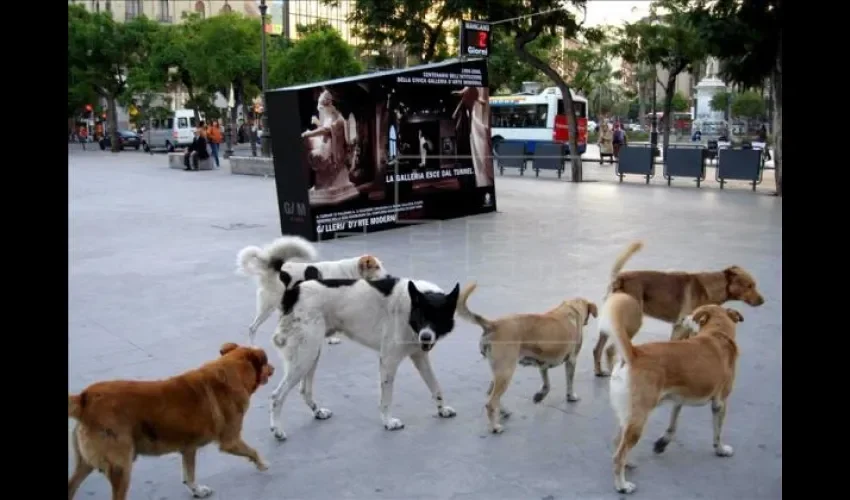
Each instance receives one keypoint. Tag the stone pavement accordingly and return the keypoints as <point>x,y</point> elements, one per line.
<point>153,293</point>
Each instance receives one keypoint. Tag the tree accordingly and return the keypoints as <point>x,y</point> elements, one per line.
<point>320,54</point>
<point>507,72</point>
<point>680,103</point>
<point>228,53</point>
<point>722,101</point>
<point>102,52</point>
<point>592,76</point>
<point>746,35</point>
<point>670,39</point>
<point>748,104</point>
<point>418,25</point>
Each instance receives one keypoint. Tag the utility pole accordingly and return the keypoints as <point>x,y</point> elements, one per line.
<point>266,136</point>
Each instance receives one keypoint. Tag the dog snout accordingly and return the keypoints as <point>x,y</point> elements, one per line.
<point>757,300</point>
<point>426,337</point>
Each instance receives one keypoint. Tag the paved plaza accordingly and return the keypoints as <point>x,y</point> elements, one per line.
<point>153,292</point>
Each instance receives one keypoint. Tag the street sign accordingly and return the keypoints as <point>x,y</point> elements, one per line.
<point>475,39</point>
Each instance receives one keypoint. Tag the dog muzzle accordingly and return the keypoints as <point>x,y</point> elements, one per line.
<point>427,339</point>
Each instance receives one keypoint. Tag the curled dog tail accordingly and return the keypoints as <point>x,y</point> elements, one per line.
<point>624,257</point>
<point>464,312</point>
<point>76,402</point>
<point>257,261</point>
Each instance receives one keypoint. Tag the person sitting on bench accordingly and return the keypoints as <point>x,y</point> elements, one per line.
<point>198,150</point>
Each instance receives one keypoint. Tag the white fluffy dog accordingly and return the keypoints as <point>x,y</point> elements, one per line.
<point>275,272</point>
<point>399,318</point>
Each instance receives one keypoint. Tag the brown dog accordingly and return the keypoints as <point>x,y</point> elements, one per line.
<point>542,340</point>
<point>122,419</point>
<point>671,296</point>
<point>694,372</point>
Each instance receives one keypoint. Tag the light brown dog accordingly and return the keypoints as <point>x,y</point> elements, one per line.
<point>671,296</point>
<point>122,419</point>
<point>694,372</point>
<point>542,340</point>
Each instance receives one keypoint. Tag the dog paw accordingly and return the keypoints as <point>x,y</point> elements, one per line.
<point>572,398</point>
<point>446,412</point>
<point>660,445</point>
<point>626,488</point>
<point>334,340</point>
<point>279,434</point>
<point>323,414</point>
<point>262,465</point>
<point>631,466</point>
<point>504,413</point>
<point>539,396</point>
<point>724,450</point>
<point>497,429</point>
<point>201,491</point>
<point>393,424</point>
<point>602,374</point>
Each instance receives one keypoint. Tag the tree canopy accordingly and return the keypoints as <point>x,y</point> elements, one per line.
<point>320,54</point>
<point>101,52</point>
<point>507,72</point>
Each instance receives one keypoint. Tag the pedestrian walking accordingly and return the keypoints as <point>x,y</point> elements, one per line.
<point>84,136</point>
<point>215,138</point>
<point>606,143</point>
<point>619,140</point>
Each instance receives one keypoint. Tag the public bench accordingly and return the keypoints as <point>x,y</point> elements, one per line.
<point>175,160</point>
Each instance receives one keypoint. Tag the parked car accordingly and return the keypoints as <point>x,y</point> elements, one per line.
<point>126,139</point>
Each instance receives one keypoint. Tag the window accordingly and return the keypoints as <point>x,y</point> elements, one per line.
<point>200,9</point>
<point>182,123</point>
<point>518,116</point>
<point>132,9</point>
<point>580,107</point>
<point>170,124</point>
<point>154,124</point>
<point>193,122</point>
<point>109,6</point>
<point>164,14</point>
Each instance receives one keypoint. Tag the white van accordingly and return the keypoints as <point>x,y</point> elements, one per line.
<point>177,131</point>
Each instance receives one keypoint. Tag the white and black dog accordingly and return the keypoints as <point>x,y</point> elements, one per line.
<point>275,271</point>
<point>397,317</point>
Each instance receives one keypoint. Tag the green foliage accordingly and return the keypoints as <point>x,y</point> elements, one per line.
<point>680,103</point>
<point>505,69</point>
<point>228,52</point>
<point>102,53</point>
<point>745,35</point>
<point>321,54</point>
<point>721,101</point>
<point>748,104</point>
<point>419,25</point>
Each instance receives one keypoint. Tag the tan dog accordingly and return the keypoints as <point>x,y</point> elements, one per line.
<point>672,296</point>
<point>694,372</point>
<point>122,419</point>
<point>542,340</point>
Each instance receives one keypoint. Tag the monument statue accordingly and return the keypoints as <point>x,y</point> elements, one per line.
<point>329,146</point>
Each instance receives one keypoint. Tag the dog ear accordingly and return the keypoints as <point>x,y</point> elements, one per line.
<point>701,317</point>
<point>735,316</point>
<point>413,292</point>
<point>591,311</point>
<point>731,272</point>
<point>226,348</point>
<point>453,295</point>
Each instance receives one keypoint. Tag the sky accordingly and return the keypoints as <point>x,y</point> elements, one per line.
<point>615,12</point>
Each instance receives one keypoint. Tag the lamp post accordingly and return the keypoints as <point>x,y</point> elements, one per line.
<point>266,137</point>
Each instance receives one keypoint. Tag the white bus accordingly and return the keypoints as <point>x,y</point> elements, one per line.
<point>533,118</point>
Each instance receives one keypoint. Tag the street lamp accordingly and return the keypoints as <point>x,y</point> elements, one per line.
<point>266,136</point>
<point>653,134</point>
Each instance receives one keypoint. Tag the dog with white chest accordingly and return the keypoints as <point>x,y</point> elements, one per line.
<point>400,318</point>
<point>697,371</point>
<point>276,271</point>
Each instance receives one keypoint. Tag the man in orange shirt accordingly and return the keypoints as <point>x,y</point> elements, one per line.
<point>215,139</point>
